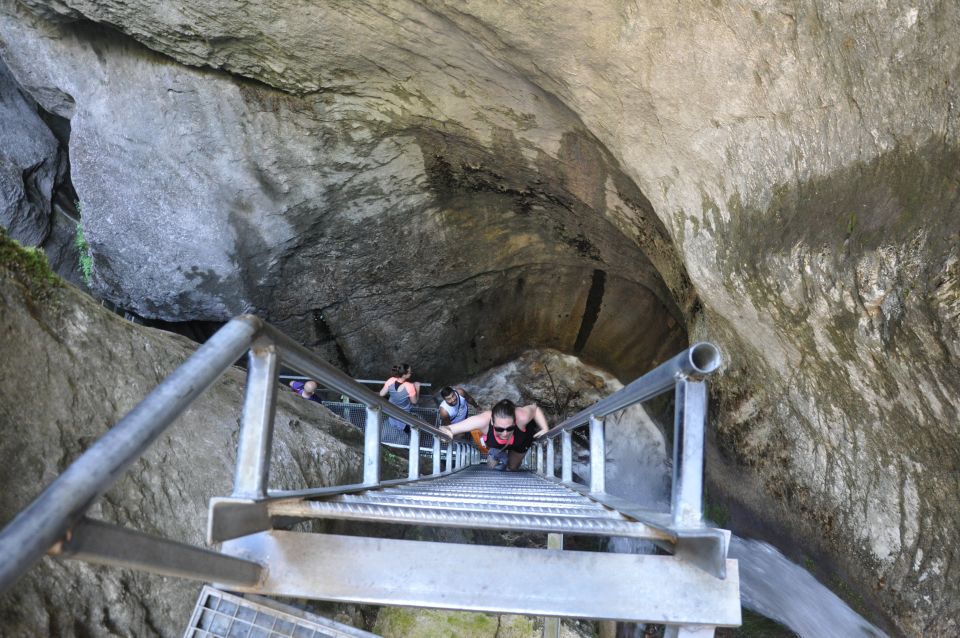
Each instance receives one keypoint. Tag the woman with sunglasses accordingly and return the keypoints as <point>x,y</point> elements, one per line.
<point>511,430</point>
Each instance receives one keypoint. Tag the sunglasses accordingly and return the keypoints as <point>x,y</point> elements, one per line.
<point>506,429</point>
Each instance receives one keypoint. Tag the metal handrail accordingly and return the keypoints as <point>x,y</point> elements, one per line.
<point>684,374</point>
<point>699,360</point>
<point>374,382</point>
<point>49,517</point>
<point>46,520</point>
<point>303,360</point>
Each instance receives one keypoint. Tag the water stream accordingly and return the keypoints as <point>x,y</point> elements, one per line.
<point>775,587</point>
<point>638,469</point>
<point>770,584</point>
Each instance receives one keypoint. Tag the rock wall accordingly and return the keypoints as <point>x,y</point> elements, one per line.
<point>68,371</point>
<point>373,226</point>
<point>596,177</point>
<point>34,177</point>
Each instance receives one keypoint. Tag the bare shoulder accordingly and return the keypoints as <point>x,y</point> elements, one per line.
<point>525,413</point>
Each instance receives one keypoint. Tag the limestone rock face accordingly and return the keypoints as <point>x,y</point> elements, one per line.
<point>29,161</point>
<point>375,227</point>
<point>69,370</point>
<point>459,182</point>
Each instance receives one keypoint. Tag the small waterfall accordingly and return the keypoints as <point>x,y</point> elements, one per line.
<point>775,587</point>
<point>638,469</point>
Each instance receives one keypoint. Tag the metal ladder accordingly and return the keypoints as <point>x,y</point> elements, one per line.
<point>692,589</point>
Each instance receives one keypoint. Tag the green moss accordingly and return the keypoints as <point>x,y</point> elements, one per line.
<point>717,513</point>
<point>401,622</point>
<point>756,626</point>
<point>28,265</point>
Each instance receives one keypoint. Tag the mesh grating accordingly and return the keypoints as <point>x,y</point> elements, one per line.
<point>219,614</point>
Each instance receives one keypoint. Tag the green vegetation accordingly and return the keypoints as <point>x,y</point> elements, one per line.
<point>27,265</point>
<point>756,626</point>
<point>399,622</point>
<point>717,513</point>
<point>86,261</point>
<point>852,223</point>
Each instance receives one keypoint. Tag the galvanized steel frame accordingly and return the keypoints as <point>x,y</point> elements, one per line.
<point>49,519</point>
<point>684,374</point>
<point>55,520</point>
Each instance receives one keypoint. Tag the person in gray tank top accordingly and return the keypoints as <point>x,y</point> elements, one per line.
<point>403,393</point>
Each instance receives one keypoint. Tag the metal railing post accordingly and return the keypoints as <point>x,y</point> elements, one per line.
<point>539,459</point>
<point>436,454</point>
<point>256,432</point>
<point>450,446</point>
<point>551,460</point>
<point>566,457</point>
<point>688,428</point>
<point>551,624</point>
<point>371,447</point>
<point>413,458</point>
<point>597,455</point>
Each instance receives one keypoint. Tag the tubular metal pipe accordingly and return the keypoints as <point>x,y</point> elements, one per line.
<point>597,456</point>
<point>539,459</point>
<point>699,360</point>
<point>295,356</point>
<point>371,447</point>
<point>566,453</point>
<point>551,460</point>
<point>47,519</point>
<point>256,432</point>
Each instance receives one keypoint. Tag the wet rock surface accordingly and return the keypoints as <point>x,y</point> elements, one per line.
<point>29,162</point>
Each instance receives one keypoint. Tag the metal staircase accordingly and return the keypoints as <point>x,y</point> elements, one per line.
<point>692,588</point>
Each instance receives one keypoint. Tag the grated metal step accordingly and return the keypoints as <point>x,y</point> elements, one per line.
<point>219,614</point>
<point>476,498</point>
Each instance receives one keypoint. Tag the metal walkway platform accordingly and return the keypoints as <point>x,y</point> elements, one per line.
<point>692,590</point>
<point>540,582</point>
<point>220,614</point>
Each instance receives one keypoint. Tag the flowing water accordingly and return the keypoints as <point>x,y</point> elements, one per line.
<point>770,584</point>
<point>775,587</point>
<point>638,469</point>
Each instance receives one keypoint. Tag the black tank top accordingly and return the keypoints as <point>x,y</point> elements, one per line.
<point>522,440</point>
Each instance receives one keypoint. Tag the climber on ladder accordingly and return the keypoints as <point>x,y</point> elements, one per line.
<point>511,430</point>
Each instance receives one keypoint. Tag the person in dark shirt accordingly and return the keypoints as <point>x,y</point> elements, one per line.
<point>306,390</point>
<point>510,431</point>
